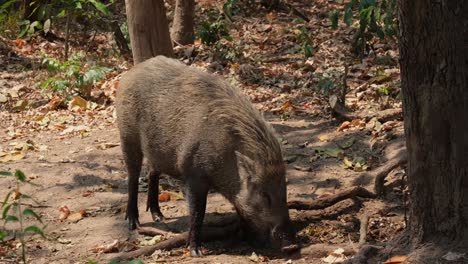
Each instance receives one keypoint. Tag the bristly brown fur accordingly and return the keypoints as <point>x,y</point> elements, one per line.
<point>195,127</point>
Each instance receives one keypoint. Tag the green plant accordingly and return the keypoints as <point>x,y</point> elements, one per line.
<point>212,31</point>
<point>325,84</point>
<point>226,50</point>
<point>18,215</point>
<point>376,18</point>
<point>230,8</point>
<point>306,42</point>
<point>8,18</point>
<point>72,76</point>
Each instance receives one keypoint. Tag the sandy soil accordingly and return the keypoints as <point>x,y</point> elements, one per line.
<point>74,172</point>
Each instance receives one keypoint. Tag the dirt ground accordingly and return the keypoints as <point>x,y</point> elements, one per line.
<point>77,172</point>
<point>74,159</point>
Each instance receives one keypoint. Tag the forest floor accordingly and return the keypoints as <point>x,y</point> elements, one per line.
<point>70,149</point>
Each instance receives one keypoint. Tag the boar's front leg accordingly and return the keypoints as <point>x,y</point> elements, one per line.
<point>153,196</point>
<point>197,192</point>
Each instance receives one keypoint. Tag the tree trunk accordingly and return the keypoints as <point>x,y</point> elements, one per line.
<point>182,28</point>
<point>434,80</point>
<point>148,28</point>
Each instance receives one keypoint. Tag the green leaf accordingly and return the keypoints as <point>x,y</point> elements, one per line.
<point>20,176</point>
<point>100,6</point>
<point>334,18</point>
<point>11,218</point>
<point>6,210</point>
<point>308,50</point>
<point>5,201</point>
<point>61,13</point>
<point>136,261</point>
<point>35,230</point>
<point>47,26</point>
<point>6,173</point>
<point>25,196</point>
<point>3,234</point>
<point>29,212</point>
<point>348,14</point>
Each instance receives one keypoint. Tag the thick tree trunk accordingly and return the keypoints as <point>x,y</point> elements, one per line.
<point>182,28</point>
<point>148,28</point>
<point>434,80</point>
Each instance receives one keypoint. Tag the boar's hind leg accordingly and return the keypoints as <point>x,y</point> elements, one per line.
<point>153,194</point>
<point>197,192</point>
<point>133,159</point>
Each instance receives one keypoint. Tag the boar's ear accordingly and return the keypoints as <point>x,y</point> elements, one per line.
<point>245,163</point>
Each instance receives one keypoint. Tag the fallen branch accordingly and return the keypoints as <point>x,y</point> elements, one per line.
<point>208,234</point>
<point>331,200</point>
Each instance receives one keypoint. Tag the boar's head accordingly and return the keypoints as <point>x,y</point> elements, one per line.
<point>261,201</point>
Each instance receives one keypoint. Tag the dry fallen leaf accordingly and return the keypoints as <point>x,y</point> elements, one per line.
<point>109,248</point>
<point>324,138</point>
<point>104,146</point>
<point>335,257</point>
<point>77,103</point>
<point>65,212</point>
<point>77,216</point>
<point>74,129</point>
<point>13,156</point>
<point>358,123</point>
<point>88,193</point>
<point>343,126</point>
<point>396,260</point>
<point>164,197</point>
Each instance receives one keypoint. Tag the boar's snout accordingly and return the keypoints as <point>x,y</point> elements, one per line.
<point>283,236</point>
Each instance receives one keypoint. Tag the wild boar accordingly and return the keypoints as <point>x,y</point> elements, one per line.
<point>195,127</point>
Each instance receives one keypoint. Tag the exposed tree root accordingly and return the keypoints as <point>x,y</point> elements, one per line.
<point>381,173</point>
<point>383,115</point>
<point>208,234</point>
<point>331,200</point>
<point>363,256</point>
<point>357,191</point>
<point>227,228</point>
<point>363,229</point>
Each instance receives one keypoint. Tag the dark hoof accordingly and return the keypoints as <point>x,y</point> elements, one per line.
<point>196,252</point>
<point>133,223</point>
<point>157,217</point>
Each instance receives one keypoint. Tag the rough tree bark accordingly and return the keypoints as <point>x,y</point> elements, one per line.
<point>182,28</point>
<point>148,28</point>
<point>434,80</point>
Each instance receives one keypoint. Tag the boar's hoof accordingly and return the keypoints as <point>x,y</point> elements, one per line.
<point>133,223</point>
<point>196,252</point>
<point>157,217</point>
